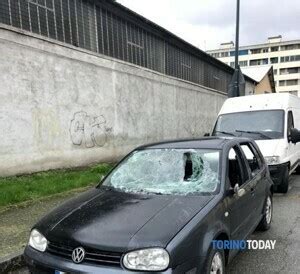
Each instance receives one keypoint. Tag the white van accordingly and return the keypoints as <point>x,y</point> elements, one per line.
<point>272,120</point>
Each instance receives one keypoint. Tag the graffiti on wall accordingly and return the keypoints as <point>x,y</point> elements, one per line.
<point>90,131</point>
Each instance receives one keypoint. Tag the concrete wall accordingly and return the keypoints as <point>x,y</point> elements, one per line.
<point>65,107</point>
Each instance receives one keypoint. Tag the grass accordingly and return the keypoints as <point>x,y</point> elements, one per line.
<point>18,189</point>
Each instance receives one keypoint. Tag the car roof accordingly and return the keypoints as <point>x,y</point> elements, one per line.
<point>201,143</point>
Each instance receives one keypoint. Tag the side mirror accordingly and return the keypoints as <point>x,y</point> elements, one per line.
<point>238,191</point>
<point>295,136</point>
<point>206,134</point>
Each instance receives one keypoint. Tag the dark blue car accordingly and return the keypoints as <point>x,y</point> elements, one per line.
<point>159,210</point>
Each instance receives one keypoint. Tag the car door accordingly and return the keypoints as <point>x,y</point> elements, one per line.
<point>239,208</point>
<point>257,180</point>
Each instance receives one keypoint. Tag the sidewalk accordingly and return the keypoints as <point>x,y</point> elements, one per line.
<point>16,222</point>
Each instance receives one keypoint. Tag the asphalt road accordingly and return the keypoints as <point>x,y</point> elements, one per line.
<point>285,258</point>
<point>285,229</point>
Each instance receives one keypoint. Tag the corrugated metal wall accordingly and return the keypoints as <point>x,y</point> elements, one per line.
<point>94,26</point>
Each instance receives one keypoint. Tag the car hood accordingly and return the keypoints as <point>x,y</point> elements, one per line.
<point>118,221</point>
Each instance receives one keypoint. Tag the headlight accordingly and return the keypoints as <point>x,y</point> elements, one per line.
<point>37,241</point>
<point>272,160</point>
<point>152,259</point>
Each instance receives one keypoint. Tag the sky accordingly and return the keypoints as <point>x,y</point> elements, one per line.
<point>207,23</point>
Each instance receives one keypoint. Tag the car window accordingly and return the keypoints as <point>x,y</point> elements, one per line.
<point>252,158</point>
<point>237,170</point>
<point>168,171</point>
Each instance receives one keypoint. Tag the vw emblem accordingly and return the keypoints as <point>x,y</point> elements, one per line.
<point>78,255</point>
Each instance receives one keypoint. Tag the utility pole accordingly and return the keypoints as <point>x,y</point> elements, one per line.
<point>237,85</point>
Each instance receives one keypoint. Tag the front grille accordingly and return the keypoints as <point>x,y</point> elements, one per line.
<point>91,255</point>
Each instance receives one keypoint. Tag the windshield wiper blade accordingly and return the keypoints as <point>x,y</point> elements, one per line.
<point>225,132</point>
<point>254,132</point>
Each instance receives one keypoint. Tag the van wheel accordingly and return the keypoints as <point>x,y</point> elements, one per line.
<point>215,262</point>
<point>266,220</point>
<point>284,186</point>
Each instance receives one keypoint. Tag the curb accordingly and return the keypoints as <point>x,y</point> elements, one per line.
<point>12,262</point>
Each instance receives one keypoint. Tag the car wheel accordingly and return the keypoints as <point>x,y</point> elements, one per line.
<point>215,262</point>
<point>284,186</point>
<point>266,220</point>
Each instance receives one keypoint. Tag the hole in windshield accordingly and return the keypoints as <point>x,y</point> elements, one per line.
<point>168,171</point>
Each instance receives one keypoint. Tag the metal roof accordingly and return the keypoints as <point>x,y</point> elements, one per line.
<point>171,37</point>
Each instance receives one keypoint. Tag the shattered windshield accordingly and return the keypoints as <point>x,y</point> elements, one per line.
<point>168,171</point>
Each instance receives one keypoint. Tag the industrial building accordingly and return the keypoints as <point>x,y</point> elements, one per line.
<point>284,56</point>
<point>108,28</point>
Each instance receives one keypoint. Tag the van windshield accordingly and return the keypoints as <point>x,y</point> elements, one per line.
<point>259,125</point>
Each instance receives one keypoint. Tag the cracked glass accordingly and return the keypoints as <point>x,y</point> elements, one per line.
<point>168,171</point>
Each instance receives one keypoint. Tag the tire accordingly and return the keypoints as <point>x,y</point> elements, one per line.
<point>284,186</point>
<point>266,220</point>
<point>215,261</point>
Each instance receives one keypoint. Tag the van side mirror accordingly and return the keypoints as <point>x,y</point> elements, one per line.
<point>295,136</point>
<point>206,134</point>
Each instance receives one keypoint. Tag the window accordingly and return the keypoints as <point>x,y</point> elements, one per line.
<point>259,125</point>
<point>216,55</point>
<point>291,58</point>
<point>274,49</point>
<point>258,62</point>
<point>274,60</point>
<point>290,47</point>
<point>255,51</point>
<point>275,71</point>
<point>243,63</point>
<point>252,158</point>
<point>243,52</point>
<point>237,170</point>
<point>265,50</point>
<point>225,54</point>
<point>290,70</point>
<point>290,123</point>
<point>292,82</point>
<point>293,70</point>
<point>168,171</point>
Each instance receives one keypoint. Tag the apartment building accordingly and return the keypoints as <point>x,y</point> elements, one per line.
<point>284,56</point>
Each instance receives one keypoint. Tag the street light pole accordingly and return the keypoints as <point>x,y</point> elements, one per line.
<point>237,85</point>
<point>237,34</point>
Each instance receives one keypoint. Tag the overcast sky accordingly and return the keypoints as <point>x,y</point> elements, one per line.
<point>207,23</point>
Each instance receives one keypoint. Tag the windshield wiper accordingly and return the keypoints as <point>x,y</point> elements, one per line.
<point>254,132</point>
<point>225,132</point>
